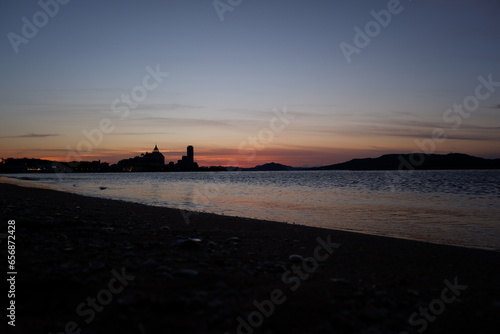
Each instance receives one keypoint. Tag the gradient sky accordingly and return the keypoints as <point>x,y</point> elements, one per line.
<point>226,78</point>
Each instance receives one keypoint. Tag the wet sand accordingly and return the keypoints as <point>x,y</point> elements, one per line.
<point>89,265</point>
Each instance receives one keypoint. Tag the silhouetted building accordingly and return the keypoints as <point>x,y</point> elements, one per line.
<point>25,165</point>
<point>147,162</point>
<point>80,167</point>
<point>190,154</point>
<point>157,155</point>
<point>187,162</point>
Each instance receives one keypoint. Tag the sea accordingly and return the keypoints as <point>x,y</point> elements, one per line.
<point>455,207</point>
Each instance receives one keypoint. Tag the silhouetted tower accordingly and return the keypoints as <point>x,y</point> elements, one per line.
<point>187,161</point>
<point>190,155</point>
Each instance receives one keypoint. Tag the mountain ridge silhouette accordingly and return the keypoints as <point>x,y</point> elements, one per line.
<point>415,161</point>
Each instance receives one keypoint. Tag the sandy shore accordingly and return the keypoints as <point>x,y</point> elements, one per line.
<point>88,265</point>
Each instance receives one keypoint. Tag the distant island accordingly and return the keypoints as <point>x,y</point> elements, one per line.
<point>416,161</point>
<point>154,162</point>
<point>397,162</point>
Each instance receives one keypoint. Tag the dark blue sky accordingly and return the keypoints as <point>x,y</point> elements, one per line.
<point>226,77</point>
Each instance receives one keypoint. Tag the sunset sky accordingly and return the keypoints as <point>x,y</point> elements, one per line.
<point>262,81</point>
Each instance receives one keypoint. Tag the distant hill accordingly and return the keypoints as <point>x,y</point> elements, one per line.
<point>272,166</point>
<point>416,161</point>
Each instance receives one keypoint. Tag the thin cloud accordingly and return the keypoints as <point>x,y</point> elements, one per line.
<point>180,121</point>
<point>140,133</point>
<point>472,132</point>
<point>270,113</point>
<point>65,150</point>
<point>169,106</point>
<point>32,135</point>
<point>373,119</point>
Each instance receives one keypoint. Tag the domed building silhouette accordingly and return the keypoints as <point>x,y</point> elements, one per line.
<point>154,161</point>
<point>156,154</point>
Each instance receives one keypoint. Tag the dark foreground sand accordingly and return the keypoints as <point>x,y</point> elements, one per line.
<point>88,265</point>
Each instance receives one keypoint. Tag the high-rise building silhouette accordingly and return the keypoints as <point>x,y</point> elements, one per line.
<point>187,161</point>
<point>190,154</point>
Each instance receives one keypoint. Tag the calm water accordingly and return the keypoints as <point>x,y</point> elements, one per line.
<point>452,207</point>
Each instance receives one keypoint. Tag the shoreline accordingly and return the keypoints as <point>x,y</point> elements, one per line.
<point>206,275</point>
<point>28,183</point>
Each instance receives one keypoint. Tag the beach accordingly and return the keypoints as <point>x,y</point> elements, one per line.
<point>91,265</point>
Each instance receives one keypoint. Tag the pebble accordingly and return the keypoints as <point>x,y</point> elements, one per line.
<point>233,240</point>
<point>221,285</point>
<point>162,268</point>
<point>191,243</point>
<point>96,265</point>
<point>130,299</point>
<point>375,313</point>
<point>129,254</point>
<point>295,258</point>
<point>413,292</point>
<point>186,273</point>
<point>96,243</point>
<point>216,303</point>
<point>339,280</point>
<point>67,269</point>
<point>149,263</point>
<point>49,219</point>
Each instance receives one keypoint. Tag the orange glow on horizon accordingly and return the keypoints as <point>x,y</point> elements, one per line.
<point>292,154</point>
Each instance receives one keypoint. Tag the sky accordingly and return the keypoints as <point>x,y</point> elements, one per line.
<point>303,83</point>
